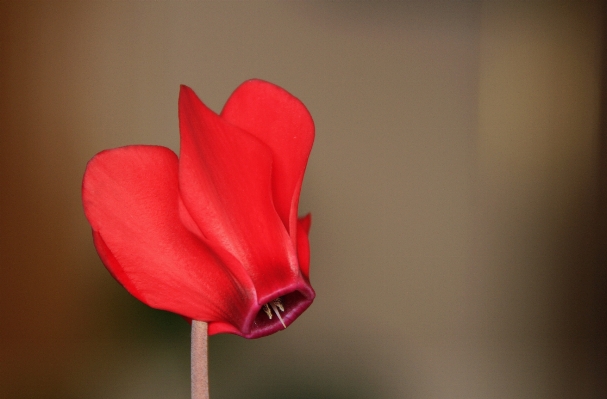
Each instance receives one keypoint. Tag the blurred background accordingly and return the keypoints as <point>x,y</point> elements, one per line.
<point>458,188</point>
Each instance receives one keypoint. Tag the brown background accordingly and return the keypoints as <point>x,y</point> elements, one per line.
<point>456,185</point>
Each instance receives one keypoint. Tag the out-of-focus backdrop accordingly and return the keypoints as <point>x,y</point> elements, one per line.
<point>457,187</point>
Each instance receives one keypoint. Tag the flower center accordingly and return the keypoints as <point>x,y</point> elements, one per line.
<point>276,305</point>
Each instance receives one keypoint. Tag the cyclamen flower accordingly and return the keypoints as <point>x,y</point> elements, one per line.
<point>212,235</point>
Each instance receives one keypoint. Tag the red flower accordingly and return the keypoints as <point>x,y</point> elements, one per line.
<point>212,235</point>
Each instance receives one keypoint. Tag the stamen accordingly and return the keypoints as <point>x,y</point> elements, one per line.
<point>278,304</point>
<point>275,308</point>
<point>266,309</point>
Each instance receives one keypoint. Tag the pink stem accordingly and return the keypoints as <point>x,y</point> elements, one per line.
<point>199,362</point>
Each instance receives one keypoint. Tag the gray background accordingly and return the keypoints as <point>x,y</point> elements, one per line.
<point>455,186</point>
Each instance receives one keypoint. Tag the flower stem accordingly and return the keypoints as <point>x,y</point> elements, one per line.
<point>199,362</point>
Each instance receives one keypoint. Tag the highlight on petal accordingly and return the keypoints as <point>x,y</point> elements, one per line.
<point>284,124</point>
<point>225,183</point>
<point>130,198</point>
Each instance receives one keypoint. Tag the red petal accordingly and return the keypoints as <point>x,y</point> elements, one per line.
<point>303,244</point>
<point>283,123</point>
<point>225,183</point>
<point>130,198</point>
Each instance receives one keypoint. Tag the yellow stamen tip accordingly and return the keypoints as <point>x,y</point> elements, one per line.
<point>266,309</point>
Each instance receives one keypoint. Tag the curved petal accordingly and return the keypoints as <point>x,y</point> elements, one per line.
<point>295,300</point>
<point>130,198</point>
<point>303,244</point>
<point>284,124</point>
<point>225,184</point>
